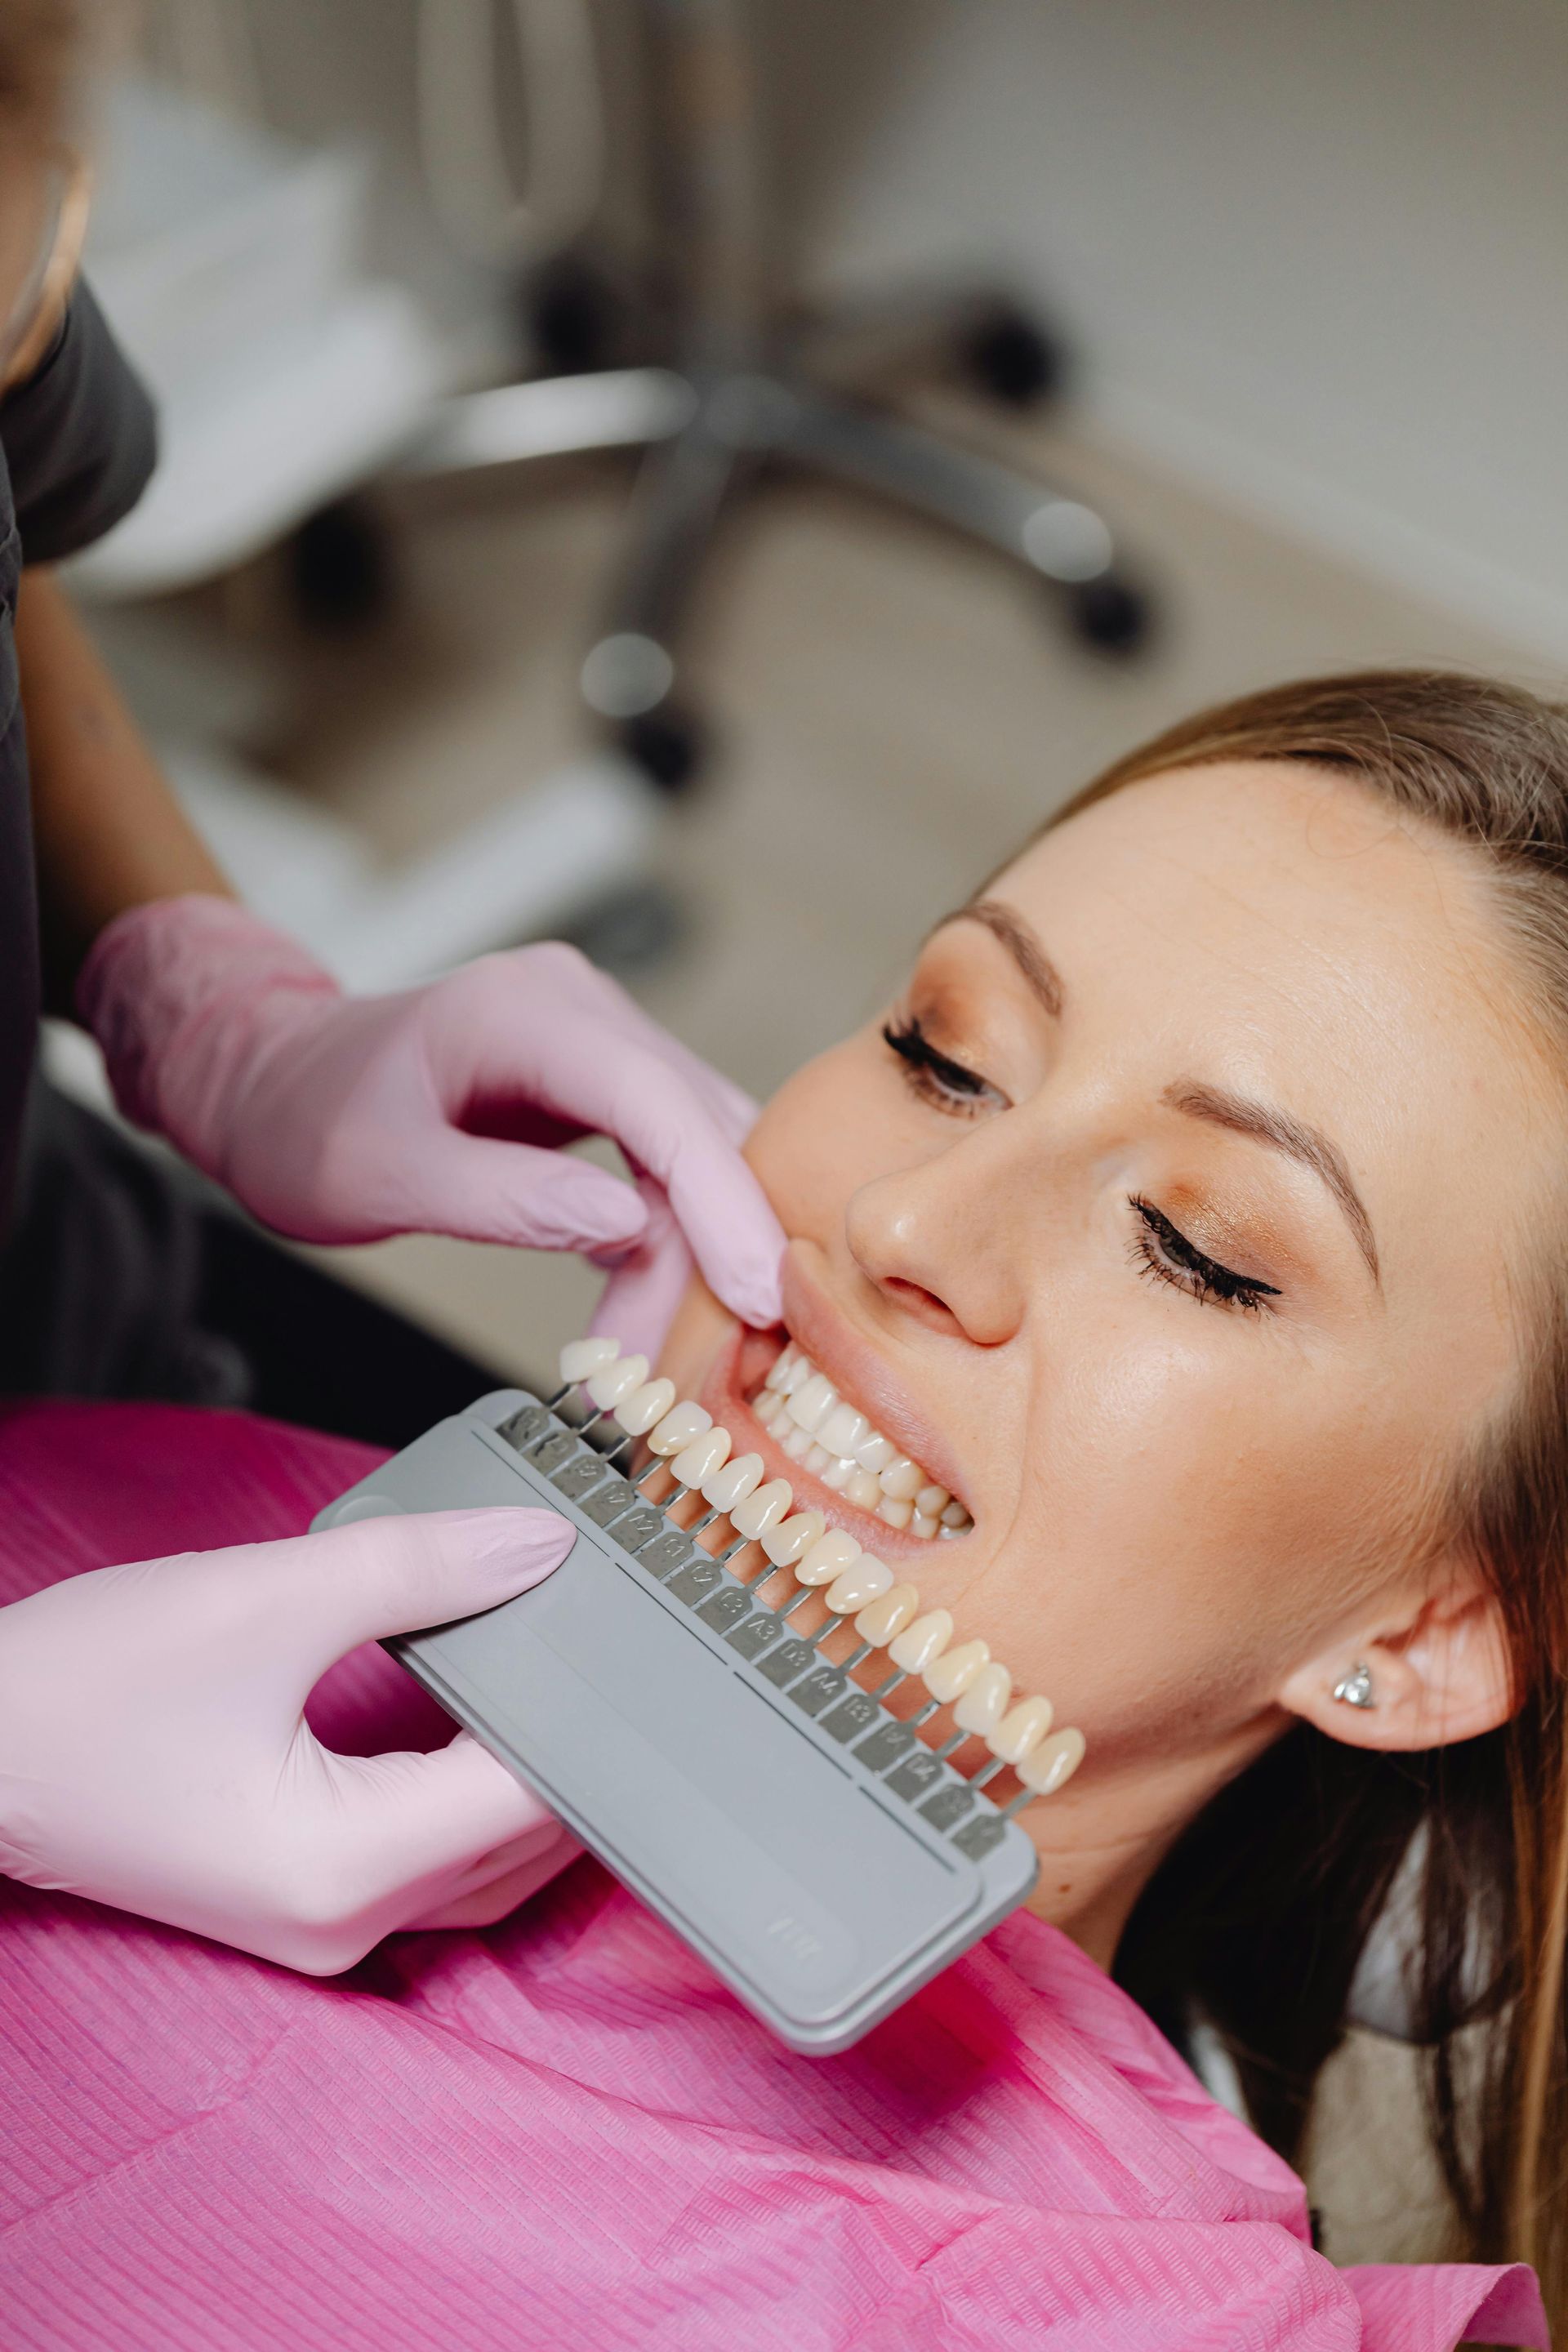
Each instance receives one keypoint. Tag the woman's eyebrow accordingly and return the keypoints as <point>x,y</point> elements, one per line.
<point>1293,1136</point>
<point>1021,944</point>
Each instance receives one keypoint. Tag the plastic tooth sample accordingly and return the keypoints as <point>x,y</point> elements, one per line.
<point>984,1703</point>
<point>881,1620</point>
<point>915,1648</point>
<point>1021,1730</point>
<point>612,1386</point>
<point>702,1457</point>
<point>931,1500</point>
<point>923,1527</point>
<point>1053,1762</point>
<point>862,1489</point>
<point>863,1581</point>
<point>728,1486</point>
<point>581,1358</point>
<point>844,1429</point>
<point>949,1677</point>
<point>786,1541</point>
<point>681,1425</point>
<point>901,1478</point>
<point>760,1510</point>
<point>638,1413</point>
<point>895,1514</point>
<point>874,1453</point>
<point>827,1557</point>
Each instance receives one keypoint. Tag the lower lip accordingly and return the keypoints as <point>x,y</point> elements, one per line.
<point>738,1370</point>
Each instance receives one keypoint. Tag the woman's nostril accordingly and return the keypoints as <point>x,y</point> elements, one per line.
<point>920,1301</point>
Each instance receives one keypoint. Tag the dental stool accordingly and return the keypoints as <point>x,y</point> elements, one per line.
<point>747,388</point>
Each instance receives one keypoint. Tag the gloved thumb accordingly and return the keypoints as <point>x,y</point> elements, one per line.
<point>394,1575</point>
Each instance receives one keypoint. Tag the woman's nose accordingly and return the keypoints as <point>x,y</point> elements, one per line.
<point>940,1240</point>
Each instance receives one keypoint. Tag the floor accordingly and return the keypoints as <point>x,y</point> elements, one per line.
<point>896,711</point>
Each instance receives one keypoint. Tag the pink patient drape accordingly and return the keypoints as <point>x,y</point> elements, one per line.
<point>561,2132</point>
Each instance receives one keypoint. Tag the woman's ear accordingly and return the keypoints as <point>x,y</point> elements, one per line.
<point>1439,1675</point>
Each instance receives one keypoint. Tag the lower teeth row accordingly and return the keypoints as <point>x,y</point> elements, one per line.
<point>683,1438</point>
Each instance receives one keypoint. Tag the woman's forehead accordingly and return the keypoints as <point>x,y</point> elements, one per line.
<point>1285,929</point>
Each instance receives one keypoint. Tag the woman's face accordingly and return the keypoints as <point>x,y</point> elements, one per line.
<point>1169,1227</point>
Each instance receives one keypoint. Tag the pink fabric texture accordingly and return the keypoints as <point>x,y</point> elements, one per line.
<point>559,2131</point>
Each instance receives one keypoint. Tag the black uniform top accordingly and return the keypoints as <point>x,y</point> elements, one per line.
<point>77,447</point>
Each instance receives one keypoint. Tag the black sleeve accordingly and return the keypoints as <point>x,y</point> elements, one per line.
<point>78,437</point>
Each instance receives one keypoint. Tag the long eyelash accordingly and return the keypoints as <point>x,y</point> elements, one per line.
<point>1163,1252</point>
<point>934,1077</point>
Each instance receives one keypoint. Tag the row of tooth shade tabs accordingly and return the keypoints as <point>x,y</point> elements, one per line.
<point>682,1438</point>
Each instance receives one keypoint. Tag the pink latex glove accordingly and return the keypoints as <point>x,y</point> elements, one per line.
<point>154,1755</point>
<point>344,1120</point>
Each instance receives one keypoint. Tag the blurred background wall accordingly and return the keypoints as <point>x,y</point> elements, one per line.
<point>1315,253</point>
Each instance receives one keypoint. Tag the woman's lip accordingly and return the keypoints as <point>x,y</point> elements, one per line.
<point>736,1369</point>
<point>856,1367</point>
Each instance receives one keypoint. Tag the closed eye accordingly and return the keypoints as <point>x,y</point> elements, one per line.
<point>1163,1252</point>
<point>936,1078</point>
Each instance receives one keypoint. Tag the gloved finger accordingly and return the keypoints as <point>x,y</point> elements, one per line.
<point>404,1829</point>
<point>480,1190</point>
<point>643,1290</point>
<point>485,1896</point>
<point>317,1596</point>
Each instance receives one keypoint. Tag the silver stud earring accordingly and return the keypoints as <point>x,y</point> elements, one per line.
<point>1356,1689</point>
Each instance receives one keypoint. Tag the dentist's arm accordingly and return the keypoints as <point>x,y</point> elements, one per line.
<point>334,1120</point>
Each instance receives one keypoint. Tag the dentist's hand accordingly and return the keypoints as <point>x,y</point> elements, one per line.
<point>154,1755</point>
<point>344,1120</point>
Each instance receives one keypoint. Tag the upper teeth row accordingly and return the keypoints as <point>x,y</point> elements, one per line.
<point>802,1409</point>
<point>886,1614</point>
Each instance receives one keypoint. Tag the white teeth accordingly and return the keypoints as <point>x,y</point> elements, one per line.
<point>918,1643</point>
<point>807,1419</point>
<point>680,1427</point>
<point>608,1388</point>
<point>1021,1730</point>
<point>880,1621</point>
<point>827,1557</point>
<point>811,1404</point>
<point>637,1412</point>
<point>901,1478</point>
<point>580,1358</point>
<point>699,1460</point>
<point>1054,1762</point>
<point>760,1509</point>
<point>859,1585</point>
<point>949,1677</point>
<point>984,1703</point>
<point>844,1429</point>
<point>784,1542</point>
<point>726,1487</point>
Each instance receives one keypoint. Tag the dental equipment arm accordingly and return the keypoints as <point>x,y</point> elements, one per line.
<point>437,1110</point>
<point>154,1755</point>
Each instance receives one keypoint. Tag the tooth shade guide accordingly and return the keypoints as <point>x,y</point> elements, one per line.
<point>1021,1730</point>
<point>950,1675</point>
<point>827,1557</point>
<point>986,1702</point>
<point>581,1358</point>
<point>881,1620</point>
<point>919,1643</point>
<point>790,1538</point>
<point>680,1427</point>
<point>638,1413</point>
<point>614,1383</point>
<point>700,1459</point>
<point>863,1581</point>
<point>731,1483</point>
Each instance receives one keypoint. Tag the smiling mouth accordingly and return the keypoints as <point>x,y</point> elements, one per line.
<point>814,1425</point>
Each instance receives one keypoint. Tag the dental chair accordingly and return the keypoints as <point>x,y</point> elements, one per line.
<point>745,387</point>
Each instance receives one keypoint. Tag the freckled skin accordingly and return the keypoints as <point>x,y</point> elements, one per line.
<point>1189,1514</point>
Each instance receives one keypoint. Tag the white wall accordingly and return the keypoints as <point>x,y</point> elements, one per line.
<point>1316,251</point>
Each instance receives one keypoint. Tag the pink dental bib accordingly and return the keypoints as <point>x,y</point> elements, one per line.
<point>561,2132</point>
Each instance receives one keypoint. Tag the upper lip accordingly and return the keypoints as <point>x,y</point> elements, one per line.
<point>861,1374</point>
